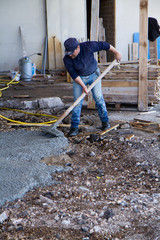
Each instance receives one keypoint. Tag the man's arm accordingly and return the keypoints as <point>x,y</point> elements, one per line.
<point>117,54</point>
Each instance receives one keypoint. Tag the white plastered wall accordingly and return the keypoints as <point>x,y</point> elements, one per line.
<point>66,18</point>
<point>30,15</point>
<point>127,21</point>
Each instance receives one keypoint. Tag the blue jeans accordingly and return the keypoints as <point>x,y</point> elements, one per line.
<point>97,96</point>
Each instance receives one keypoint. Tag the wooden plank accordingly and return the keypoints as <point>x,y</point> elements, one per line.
<point>101,37</point>
<point>119,83</point>
<point>132,99</point>
<point>135,51</point>
<point>109,129</point>
<point>129,137</point>
<point>112,98</point>
<point>24,51</point>
<point>129,52</point>
<point>51,57</point>
<point>120,90</point>
<point>143,55</point>
<point>93,37</point>
<point>94,20</point>
<point>153,49</point>
<point>57,53</point>
<point>43,124</point>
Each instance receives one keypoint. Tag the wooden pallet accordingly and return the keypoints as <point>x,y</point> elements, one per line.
<point>122,85</point>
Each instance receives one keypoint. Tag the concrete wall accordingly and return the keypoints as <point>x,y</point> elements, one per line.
<point>127,21</point>
<point>31,16</point>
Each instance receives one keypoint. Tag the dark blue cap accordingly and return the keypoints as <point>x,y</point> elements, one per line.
<point>70,45</point>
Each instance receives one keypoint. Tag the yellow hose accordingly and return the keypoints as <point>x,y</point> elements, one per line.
<point>10,82</point>
<point>24,123</point>
<point>19,122</point>
<point>36,114</point>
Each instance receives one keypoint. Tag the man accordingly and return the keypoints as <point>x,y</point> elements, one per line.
<point>82,66</point>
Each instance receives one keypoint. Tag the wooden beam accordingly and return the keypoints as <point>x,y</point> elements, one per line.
<point>135,51</point>
<point>153,50</point>
<point>143,54</point>
<point>94,20</point>
<point>101,37</point>
<point>93,37</point>
<point>51,57</point>
<point>24,52</point>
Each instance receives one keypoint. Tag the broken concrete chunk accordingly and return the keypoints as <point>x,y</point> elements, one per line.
<point>46,200</point>
<point>41,103</point>
<point>3,217</point>
<point>50,102</point>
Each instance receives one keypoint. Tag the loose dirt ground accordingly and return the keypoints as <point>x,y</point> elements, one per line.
<point>111,192</point>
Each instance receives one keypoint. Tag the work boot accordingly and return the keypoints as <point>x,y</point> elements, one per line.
<point>73,132</point>
<point>105,126</point>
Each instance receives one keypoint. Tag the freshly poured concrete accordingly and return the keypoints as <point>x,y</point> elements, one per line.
<point>20,166</point>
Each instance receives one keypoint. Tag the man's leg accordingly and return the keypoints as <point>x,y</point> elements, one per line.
<point>76,112</point>
<point>100,103</point>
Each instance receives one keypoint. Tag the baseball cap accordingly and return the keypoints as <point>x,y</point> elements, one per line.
<point>70,45</point>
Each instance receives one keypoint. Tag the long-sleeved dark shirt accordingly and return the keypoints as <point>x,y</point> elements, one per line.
<point>84,63</point>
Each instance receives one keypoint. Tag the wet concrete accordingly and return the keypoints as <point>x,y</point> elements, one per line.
<point>20,166</point>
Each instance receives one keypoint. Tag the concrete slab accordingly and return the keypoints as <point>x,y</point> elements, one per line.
<point>20,167</point>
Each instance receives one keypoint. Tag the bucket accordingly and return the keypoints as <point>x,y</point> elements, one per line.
<point>33,69</point>
<point>25,66</point>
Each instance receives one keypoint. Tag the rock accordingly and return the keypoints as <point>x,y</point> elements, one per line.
<point>123,203</point>
<point>136,210</point>
<point>48,195</point>
<point>16,222</point>
<point>85,229</point>
<point>46,200</point>
<point>92,154</point>
<point>96,229</point>
<point>83,189</point>
<point>84,216</point>
<point>101,214</point>
<point>50,102</point>
<point>66,222</point>
<point>17,104</point>
<point>3,217</point>
<point>108,213</point>
<point>92,213</point>
<point>57,218</point>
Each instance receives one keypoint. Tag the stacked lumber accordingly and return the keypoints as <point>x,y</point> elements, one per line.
<point>121,85</point>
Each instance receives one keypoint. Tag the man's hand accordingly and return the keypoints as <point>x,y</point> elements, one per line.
<point>85,89</point>
<point>118,56</point>
<point>80,82</point>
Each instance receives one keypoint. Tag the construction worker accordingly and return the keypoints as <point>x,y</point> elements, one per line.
<point>83,68</point>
